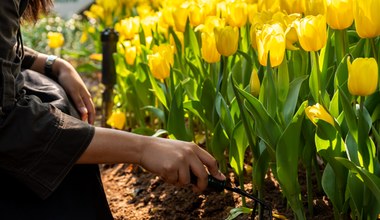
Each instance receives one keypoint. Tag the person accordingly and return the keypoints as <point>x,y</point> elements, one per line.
<point>49,147</point>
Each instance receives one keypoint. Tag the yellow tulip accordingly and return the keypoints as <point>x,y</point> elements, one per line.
<point>149,24</point>
<point>318,112</point>
<point>254,83</point>
<point>160,61</point>
<point>362,76</point>
<point>367,18</point>
<point>312,33</point>
<point>315,7</point>
<point>55,39</point>
<point>339,14</point>
<point>117,120</point>
<point>180,17</point>
<point>237,14</point>
<point>227,40</point>
<point>129,51</point>
<point>271,39</point>
<point>128,27</point>
<point>209,52</point>
<point>96,56</point>
<point>196,15</point>
<point>268,5</point>
<point>293,6</point>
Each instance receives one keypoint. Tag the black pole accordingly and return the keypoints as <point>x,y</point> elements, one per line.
<point>109,38</point>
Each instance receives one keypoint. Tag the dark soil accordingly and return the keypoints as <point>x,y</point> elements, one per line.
<point>135,194</point>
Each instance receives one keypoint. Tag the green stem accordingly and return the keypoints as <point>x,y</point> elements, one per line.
<point>374,50</point>
<point>309,186</point>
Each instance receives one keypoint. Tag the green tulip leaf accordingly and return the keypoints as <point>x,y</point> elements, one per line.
<point>237,149</point>
<point>291,101</point>
<point>224,113</point>
<point>371,180</point>
<point>208,94</point>
<point>158,91</point>
<point>266,127</point>
<point>219,144</point>
<point>176,121</point>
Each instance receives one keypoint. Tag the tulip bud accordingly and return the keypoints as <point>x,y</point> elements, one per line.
<point>317,112</point>
<point>362,76</point>
<point>180,18</point>
<point>55,39</point>
<point>237,14</point>
<point>367,18</point>
<point>160,61</point>
<point>254,83</point>
<point>339,14</point>
<point>312,33</point>
<point>271,39</point>
<point>227,40</point>
<point>209,52</point>
<point>117,120</point>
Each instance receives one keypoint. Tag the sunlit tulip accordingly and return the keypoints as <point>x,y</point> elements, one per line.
<point>227,40</point>
<point>318,112</point>
<point>209,52</point>
<point>128,27</point>
<point>55,39</point>
<point>362,76</point>
<point>237,14</point>
<point>312,33</point>
<point>254,83</point>
<point>196,15</point>
<point>149,24</point>
<point>210,24</point>
<point>129,51</point>
<point>315,7</point>
<point>271,39</point>
<point>339,13</point>
<point>293,6</point>
<point>268,5</point>
<point>96,56</point>
<point>180,17</point>
<point>161,61</point>
<point>367,18</point>
<point>117,120</point>
<point>95,12</point>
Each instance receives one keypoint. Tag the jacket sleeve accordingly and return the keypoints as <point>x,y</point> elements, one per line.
<point>29,58</point>
<point>39,142</point>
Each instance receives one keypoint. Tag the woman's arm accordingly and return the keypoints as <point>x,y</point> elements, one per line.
<point>173,160</point>
<point>71,82</point>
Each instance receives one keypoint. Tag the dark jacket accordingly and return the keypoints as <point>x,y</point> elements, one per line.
<point>40,139</point>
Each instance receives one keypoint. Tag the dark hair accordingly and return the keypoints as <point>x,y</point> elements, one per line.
<point>35,8</point>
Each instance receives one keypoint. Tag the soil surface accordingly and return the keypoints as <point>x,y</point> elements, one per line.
<point>133,193</point>
<point>136,194</point>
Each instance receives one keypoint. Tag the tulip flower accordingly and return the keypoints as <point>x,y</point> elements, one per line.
<point>271,38</point>
<point>362,76</point>
<point>254,83</point>
<point>312,33</point>
<point>315,7</point>
<point>160,61</point>
<point>128,27</point>
<point>117,120</point>
<point>227,40</point>
<point>318,112</point>
<point>180,17</point>
<point>209,52</point>
<point>293,6</point>
<point>196,15</point>
<point>55,39</point>
<point>237,14</point>
<point>367,18</point>
<point>339,14</point>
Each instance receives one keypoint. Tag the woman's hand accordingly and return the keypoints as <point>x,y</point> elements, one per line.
<point>74,86</point>
<point>173,161</point>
